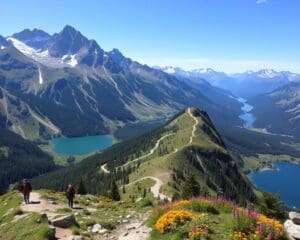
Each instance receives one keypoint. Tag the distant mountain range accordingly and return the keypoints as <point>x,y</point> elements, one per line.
<point>247,84</point>
<point>67,84</point>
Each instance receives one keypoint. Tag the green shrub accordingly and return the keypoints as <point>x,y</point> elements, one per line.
<point>196,206</point>
<point>86,212</point>
<point>211,209</point>
<point>146,203</point>
<point>75,231</point>
<point>90,222</point>
<point>108,225</point>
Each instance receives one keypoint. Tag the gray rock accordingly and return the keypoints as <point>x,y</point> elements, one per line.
<point>125,221</point>
<point>295,217</point>
<point>292,229</point>
<point>96,228</point>
<point>102,231</point>
<point>64,221</point>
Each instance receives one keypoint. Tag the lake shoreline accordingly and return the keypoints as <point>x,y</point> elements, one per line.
<point>281,178</point>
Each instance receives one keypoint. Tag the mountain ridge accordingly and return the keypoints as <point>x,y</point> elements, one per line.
<point>247,84</point>
<point>101,91</point>
<point>188,143</point>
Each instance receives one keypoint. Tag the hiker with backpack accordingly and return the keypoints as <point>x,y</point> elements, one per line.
<point>70,194</point>
<point>26,189</point>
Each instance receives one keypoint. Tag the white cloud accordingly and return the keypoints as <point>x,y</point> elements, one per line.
<point>261,1</point>
<point>226,65</point>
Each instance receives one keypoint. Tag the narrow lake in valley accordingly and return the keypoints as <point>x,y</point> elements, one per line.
<point>283,180</point>
<point>81,145</point>
<point>246,116</point>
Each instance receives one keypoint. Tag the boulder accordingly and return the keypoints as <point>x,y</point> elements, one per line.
<point>64,221</point>
<point>295,217</point>
<point>292,229</point>
<point>96,228</point>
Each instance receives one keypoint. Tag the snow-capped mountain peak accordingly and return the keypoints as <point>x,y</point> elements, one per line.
<point>35,38</point>
<point>267,73</point>
<point>203,70</point>
<point>43,57</point>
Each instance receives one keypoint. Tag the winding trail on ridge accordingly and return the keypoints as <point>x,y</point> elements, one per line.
<point>103,167</point>
<point>194,126</point>
<point>158,183</point>
<point>154,189</point>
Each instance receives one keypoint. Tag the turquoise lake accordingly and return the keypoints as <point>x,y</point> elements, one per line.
<point>284,180</point>
<point>81,145</point>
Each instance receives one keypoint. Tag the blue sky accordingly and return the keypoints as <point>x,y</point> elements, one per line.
<point>228,35</point>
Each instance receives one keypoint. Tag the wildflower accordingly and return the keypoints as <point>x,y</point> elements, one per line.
<point>170,218</point>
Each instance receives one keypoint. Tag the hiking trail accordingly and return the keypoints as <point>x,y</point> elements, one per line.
<point>104,166</point>
<point>154,189</point>
<point>43,206</point>
<point>194,126</point>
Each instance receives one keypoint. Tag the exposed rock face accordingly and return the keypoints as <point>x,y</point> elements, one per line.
<point>295,217</point>
<point>292,226</point>
<point>64,221</point>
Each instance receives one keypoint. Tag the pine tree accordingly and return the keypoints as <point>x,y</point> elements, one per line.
<point>191,187</point>
<point>114,191</point>
<point>81,187</point>
<point>271,206</point>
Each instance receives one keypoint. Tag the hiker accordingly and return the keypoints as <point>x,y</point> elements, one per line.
<point>26,189</point>
<point>70,193</point>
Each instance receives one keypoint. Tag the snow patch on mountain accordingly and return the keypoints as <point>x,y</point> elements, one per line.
<point>70,60</point>
<point>169,70</point>
<point>267,73</point>
<point>43,57</point>
<point>2,47</point>
<point>203,70</point>
<point>40,76</point>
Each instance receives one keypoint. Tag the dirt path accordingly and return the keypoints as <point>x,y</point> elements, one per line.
<point>104,166</point>
<point>43,206</point>
<point>194,126</point>
<point>155,189</point>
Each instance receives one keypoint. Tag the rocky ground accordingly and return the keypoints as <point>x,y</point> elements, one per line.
<point>128,225</point>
